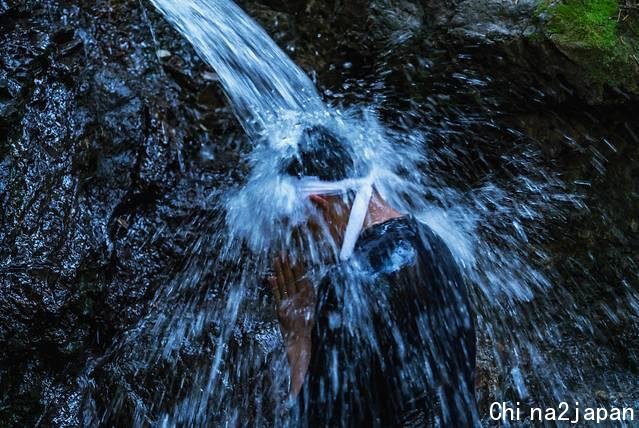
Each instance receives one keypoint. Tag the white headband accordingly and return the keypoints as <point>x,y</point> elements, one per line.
<point>363,186</point>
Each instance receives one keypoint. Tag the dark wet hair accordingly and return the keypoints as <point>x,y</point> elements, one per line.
<point>321,154</point>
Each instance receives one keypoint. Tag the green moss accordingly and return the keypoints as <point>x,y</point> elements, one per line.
<point>599,35</point>
<point>591,23</point>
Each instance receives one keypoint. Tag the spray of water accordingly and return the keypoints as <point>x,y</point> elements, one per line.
<point>214,323</point>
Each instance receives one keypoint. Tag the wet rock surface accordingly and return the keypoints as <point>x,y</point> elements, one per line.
<point>105,163</point>
<point>116,142</point>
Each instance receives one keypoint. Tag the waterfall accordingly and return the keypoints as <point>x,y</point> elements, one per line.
<point>261,82</point>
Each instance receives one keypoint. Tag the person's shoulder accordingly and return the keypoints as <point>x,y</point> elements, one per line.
<point>434,247</point>
<point>426,232</point>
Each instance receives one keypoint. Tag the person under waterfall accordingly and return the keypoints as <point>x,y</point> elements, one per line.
<point>385,335</point>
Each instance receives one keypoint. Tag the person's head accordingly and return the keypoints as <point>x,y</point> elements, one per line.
<point>324,155</point>
<point>320,154</point>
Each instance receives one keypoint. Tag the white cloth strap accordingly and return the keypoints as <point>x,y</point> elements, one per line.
<point>363,186</point>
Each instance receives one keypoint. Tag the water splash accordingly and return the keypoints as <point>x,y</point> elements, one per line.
<point>225,342</point>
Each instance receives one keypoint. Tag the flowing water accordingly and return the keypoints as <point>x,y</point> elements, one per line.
<point>262,83</point>
<point>224,339</point>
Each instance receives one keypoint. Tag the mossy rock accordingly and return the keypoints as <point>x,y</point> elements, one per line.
<point>601,37</point>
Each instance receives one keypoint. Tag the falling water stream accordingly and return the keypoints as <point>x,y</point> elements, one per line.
<point>224,338</point>
<point>262,83</point>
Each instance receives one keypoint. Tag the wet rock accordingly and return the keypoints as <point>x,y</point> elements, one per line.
<point>597,73</point>
<point>491,21</point>
<point>516,34</point>
<point>94,139</point>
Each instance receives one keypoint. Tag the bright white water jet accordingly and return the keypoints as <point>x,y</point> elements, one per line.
<point>262,83</point>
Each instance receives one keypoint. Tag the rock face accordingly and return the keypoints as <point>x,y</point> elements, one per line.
<point>523,35</point>
<point>105,160</point>
<point>115,143</point>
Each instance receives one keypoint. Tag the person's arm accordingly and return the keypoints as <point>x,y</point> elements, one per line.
<point>295,299</point>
